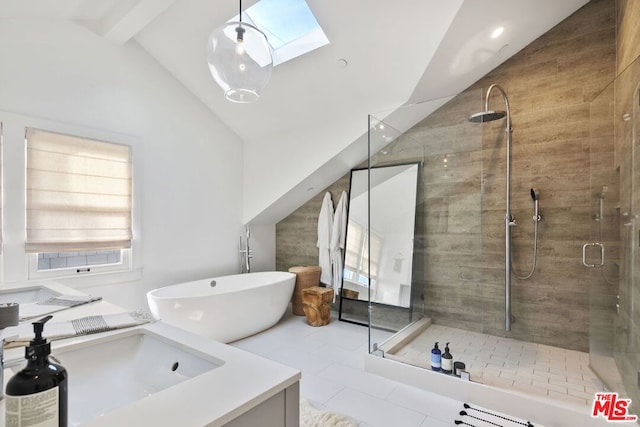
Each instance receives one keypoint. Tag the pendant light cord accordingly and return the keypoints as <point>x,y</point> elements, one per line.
<point>240,12</point>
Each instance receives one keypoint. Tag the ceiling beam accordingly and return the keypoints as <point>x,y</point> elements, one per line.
<point>130,17</point>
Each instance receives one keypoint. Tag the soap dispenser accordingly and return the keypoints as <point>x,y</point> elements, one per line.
<point>436,355</point>
<point>37,395</point>
<point>447,360</point>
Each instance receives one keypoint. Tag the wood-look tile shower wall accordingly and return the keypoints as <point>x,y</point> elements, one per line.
<point>550,85</point>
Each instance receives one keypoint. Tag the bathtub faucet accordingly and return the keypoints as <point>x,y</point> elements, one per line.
<point>245,251</point>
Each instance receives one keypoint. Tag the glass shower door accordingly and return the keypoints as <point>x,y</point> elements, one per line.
<point>627,345</point>
<point>600,254</point>
<point>612,254</point>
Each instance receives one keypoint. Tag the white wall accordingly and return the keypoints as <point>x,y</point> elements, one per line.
<point>277,163</point>
<point>189,163</point>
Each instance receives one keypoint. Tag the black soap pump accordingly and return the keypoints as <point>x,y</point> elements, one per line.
<point>447,360</point>
<point>38,393</point>
<point>436,356</point>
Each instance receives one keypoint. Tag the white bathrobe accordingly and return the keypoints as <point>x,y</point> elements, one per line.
<point>325,225</point>
<point>338,235</point>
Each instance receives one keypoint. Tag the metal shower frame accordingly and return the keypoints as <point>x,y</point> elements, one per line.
<point>509,221</point>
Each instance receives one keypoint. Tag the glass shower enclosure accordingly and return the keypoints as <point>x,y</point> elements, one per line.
<point>445,281</point>
<point>578,313</point>
<point>614,338</point>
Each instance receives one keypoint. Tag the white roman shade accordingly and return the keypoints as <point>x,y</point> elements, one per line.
<point>353,246</point>
<point>356,256</point>
<point>374,260</point>
<point>78,193</point>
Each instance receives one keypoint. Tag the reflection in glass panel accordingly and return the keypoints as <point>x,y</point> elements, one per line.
<point>378,258</point>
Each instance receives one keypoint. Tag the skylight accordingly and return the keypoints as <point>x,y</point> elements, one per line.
<point>289,25</point>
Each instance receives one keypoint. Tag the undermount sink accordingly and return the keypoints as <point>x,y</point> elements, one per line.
<point>26,295</point>
<point>113,371</point>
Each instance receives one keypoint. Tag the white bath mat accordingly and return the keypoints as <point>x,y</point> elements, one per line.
<point>312,417</point>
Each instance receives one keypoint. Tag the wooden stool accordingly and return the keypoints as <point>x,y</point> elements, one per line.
<point>316,302</point>
<point>306,276</point>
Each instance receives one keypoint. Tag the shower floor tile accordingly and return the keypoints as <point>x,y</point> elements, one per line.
<point>531,368</point>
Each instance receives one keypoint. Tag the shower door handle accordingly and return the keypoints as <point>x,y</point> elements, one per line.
<point>584,255</point>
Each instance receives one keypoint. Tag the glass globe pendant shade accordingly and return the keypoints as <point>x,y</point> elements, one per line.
<point>240,61</point>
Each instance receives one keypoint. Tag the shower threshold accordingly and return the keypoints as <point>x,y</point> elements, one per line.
<point>518,369</point>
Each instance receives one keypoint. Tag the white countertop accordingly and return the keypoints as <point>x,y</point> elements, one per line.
<point>212,398</point>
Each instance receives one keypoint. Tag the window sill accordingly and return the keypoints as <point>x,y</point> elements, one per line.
<point>91,280</point>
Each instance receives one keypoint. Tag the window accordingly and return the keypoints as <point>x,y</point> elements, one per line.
<point>356,258</point>
<point>79,193</point>
<point>83,260</point>
<point>290,34</point>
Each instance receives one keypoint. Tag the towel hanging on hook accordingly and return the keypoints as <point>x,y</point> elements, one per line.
<point>325,225</point>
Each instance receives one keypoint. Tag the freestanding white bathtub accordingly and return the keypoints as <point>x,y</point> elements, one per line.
<point>225,308</point>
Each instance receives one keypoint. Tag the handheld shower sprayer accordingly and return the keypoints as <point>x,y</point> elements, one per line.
<point>536,205</point>
<point>535,196</point>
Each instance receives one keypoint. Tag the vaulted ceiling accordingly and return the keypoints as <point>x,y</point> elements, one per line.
<point>381,55</point>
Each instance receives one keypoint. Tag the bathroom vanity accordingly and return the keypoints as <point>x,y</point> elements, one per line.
<point>156,374</point>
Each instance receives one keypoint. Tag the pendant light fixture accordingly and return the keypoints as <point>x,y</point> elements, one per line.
<point>240,61</point>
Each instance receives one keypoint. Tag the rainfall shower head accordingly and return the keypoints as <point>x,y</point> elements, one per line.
<point>486,116</point>
<point>534,194</point>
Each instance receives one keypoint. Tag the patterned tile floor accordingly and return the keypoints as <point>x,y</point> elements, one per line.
<point>507,363</point>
